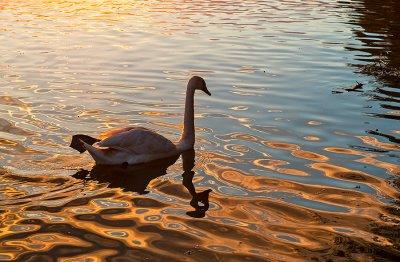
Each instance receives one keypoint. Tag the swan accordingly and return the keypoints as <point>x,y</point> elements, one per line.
<point>135,145</point>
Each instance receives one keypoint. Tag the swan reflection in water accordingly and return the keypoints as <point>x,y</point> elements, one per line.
<point>136,178</point>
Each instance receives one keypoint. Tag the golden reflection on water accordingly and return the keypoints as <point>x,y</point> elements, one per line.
<point>87,217</point>
<point>284,170</point>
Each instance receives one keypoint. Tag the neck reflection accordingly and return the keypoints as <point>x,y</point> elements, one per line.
<point>199,200</point>
<point>136,178</point>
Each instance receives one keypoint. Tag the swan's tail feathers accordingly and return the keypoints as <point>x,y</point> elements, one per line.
<point>77,140</point>
<point>98,154</point>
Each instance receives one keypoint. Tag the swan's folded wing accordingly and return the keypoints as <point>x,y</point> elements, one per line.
<point>114,132</point>
<point>139,141</point>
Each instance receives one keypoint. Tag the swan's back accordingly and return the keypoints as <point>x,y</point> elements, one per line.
<point>138,140</point>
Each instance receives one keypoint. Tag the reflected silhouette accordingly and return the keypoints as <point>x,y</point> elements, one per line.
<point>136,178</point>
<point>379,32</point>
<point>197,198</point>
<point>379,56</point>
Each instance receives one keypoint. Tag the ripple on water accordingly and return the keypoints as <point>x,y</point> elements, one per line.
<point>284,170</point>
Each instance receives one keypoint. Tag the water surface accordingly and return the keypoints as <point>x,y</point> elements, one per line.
<point>290,163</point>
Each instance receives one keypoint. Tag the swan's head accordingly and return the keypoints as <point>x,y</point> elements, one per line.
<point>196,82</point>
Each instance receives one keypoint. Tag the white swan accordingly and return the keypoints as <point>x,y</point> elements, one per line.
<point>134,145</point>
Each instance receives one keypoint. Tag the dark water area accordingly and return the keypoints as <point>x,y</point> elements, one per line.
<point>294,161</point>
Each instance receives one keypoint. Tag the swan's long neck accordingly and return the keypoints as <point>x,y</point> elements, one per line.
<point>187,139</point>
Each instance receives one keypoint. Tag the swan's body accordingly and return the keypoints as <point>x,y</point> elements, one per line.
<point>134,145</point>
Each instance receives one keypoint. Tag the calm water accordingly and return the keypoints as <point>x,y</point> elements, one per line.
<point>288,164</point>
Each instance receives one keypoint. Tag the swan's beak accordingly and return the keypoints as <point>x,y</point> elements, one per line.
<point>207,92</point>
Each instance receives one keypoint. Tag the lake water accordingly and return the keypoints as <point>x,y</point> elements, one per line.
<point>288,164</point>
